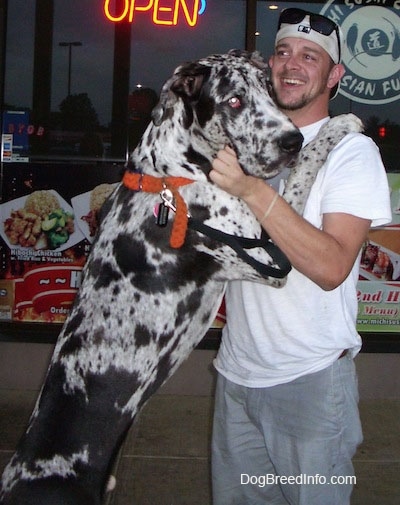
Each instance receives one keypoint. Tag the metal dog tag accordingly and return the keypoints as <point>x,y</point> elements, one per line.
<point>162,215</point>
<point>163,209</point>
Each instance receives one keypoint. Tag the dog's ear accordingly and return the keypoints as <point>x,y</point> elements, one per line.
<point>240,53</point>
<point>188,86</point>
<point>186,83</point>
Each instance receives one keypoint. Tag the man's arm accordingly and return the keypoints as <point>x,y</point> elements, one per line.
<point>326,256</point>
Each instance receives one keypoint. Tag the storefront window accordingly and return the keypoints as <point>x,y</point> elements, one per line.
<point>70,67</point>
<point>80,80</point>
<point>79,86</point>
<point>371,86</point>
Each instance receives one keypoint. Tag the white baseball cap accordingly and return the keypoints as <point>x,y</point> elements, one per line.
<point>309,26</point>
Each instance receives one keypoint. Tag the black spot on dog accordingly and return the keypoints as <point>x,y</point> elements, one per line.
<point>75,321</point>
<point>73,344</point>
<point>197,159</point>
<point>188,307</point>
<point>164,339</point>
<point>130,255</point>
<point>143,336</point>
<point>104,273</point>
<point>205,109</point>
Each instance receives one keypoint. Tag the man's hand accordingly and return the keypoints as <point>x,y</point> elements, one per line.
<point>229,176</point>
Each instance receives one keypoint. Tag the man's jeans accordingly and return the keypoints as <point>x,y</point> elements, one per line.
<point>287,444</point>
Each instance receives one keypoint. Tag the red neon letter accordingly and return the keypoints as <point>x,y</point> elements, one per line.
<point>157,9</point>
<point>134,8</point>
<point>191,21</point>
<point>110,16</point>
<point>161,15</point>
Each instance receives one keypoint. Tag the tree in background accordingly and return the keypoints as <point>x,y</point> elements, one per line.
<point>78,113</point>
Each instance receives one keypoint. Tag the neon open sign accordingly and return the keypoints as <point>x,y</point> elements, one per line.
<point>164,12</point>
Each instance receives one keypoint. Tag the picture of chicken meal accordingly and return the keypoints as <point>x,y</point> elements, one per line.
<point>98,196</point>
<point>41,223</point>
<point>377,261</point>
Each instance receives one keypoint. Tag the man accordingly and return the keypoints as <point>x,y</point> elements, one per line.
<point>286,421</point>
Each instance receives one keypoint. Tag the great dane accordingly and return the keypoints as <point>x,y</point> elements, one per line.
<point>150,289</point>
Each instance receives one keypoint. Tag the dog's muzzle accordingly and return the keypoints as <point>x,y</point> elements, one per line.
<point>291,142</point>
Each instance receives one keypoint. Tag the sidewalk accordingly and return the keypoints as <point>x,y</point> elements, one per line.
<point>165,458</point>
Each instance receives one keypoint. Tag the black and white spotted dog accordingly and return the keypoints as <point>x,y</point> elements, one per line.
<point>144,304</point>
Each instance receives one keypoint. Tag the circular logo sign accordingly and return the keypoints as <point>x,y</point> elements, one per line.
<point>371,52</point>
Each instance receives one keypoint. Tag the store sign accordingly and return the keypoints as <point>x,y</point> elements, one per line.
<point>371,29</point>
<point>163,12</point>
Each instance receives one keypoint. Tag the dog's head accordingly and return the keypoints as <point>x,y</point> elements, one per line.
<point>225,100</point>
<point>188,79</point>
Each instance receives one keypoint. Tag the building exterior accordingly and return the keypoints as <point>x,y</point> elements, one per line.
<point>78,81</point>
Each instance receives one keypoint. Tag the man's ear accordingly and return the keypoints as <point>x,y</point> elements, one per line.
<point>271,61</point>
<point>336,73</point>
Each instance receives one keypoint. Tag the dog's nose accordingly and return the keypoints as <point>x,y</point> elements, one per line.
<point>291,142</point>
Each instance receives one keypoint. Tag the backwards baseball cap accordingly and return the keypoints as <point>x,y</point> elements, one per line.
<point>306,25</point>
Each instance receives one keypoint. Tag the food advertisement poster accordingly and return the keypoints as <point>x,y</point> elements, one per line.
<point>379,282</point>
<point>48,221</point>
<point>49,218</point>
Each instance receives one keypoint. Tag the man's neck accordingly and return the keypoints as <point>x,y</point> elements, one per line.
<point>310,113</point>
<point>302,117</point>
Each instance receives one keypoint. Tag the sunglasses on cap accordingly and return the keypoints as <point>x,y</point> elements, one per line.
<point>318,23</point>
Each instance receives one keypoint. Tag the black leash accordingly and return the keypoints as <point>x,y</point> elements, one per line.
<point>239,244</point>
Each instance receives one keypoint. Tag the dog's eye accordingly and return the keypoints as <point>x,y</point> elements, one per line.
<point>235,102</point>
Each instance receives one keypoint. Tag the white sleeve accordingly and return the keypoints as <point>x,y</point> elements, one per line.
<point>356,182</point>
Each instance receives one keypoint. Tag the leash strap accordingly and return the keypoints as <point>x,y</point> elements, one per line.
<point>140,182</point>
<point>239,244</point>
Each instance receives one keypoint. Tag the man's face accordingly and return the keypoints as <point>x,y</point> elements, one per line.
<point>301,74</point>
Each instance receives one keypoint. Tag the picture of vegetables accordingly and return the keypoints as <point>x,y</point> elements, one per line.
<point>57,228</point>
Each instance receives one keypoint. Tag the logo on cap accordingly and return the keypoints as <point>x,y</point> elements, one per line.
<point>304,28</point>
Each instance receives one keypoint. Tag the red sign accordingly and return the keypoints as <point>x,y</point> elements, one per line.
<point>163,12</point>
<point>48,288</point>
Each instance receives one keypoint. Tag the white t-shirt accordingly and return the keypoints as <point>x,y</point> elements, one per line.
<point>272,336</point>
